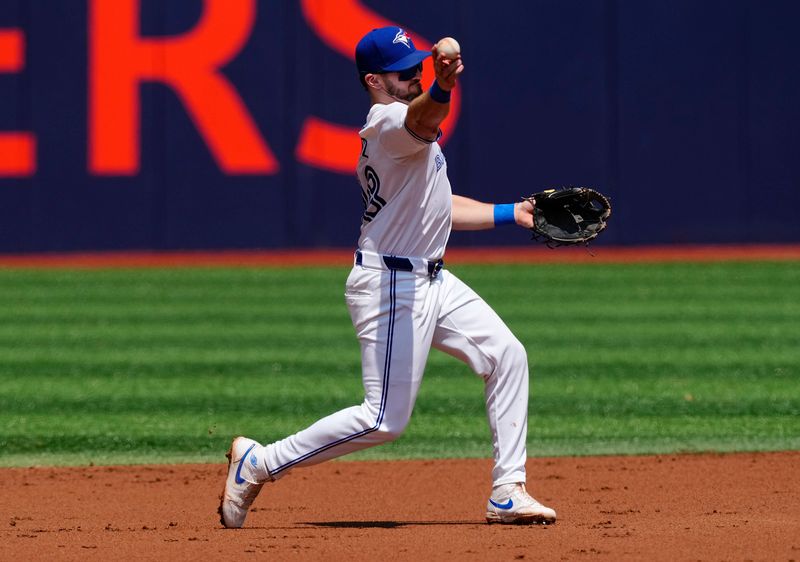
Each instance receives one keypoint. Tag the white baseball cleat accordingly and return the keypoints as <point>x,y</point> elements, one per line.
<point>239,493</point>
<point>512,504</point>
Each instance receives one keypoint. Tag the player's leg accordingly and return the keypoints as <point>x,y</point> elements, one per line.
<point>394,328</point>
<point>469,329</point>
<point>395,340</point>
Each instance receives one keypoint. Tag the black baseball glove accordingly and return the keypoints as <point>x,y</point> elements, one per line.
<point>568,216</point>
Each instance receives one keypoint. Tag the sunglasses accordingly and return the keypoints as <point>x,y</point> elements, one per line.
<point>409,73</point>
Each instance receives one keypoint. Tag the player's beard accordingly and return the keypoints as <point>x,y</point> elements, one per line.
<point>413,91</point>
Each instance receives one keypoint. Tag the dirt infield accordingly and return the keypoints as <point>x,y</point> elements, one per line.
<point>344,257</point>
<point>690,507</point>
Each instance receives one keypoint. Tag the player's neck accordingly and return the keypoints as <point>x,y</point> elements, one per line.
<point>384,98</point>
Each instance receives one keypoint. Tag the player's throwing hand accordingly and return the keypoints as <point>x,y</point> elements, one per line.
<point>447,65</point>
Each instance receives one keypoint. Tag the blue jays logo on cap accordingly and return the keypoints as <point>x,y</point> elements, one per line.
<point>387,49</point>
<point>402,37</point>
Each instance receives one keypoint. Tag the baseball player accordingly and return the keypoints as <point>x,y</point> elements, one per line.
<point>401,300</point>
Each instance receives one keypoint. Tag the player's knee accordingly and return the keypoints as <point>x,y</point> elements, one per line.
<point>514,355</point>
<point>392,423</point>
<point>390,430</point>
<point>518,351</point>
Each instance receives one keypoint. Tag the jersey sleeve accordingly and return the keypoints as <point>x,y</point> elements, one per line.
<point>394,136</point>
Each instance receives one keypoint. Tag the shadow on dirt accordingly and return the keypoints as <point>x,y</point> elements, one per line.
<point>383,524</point>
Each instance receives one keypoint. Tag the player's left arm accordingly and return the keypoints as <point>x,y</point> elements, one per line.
<point>469,214</point>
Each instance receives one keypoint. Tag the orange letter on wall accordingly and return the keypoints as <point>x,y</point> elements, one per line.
<point>120,59</point>
<point>341,25</point>
<point>17,150</point>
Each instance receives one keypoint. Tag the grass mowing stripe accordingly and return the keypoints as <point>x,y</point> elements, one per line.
<point>148,365</point>
<point>156,329</point>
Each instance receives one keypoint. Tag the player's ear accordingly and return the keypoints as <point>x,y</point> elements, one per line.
<point>372,81</point>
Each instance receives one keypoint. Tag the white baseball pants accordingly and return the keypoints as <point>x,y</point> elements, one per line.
<point>398,316</point>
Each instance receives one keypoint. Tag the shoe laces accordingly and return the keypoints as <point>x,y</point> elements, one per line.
<point>518,492</point>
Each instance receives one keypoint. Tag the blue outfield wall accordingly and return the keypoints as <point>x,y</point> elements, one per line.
<point>685,111</point>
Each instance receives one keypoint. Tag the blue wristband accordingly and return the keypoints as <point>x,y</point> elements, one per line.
<point>437,94</point>
<point>504,214</point>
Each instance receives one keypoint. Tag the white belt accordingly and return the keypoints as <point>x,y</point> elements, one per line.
<point>418,266</point>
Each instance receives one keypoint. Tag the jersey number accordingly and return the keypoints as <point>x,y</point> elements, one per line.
<point>372,201</point>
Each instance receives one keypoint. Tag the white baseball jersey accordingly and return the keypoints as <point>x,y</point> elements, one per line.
<point>404,182</point>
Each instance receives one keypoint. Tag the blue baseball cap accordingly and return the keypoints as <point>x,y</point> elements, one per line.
<point>387,49</point>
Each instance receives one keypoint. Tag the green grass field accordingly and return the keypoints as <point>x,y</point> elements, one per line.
<point>136,366</point>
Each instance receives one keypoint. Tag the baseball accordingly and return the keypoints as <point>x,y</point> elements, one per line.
<point>449,47</point>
